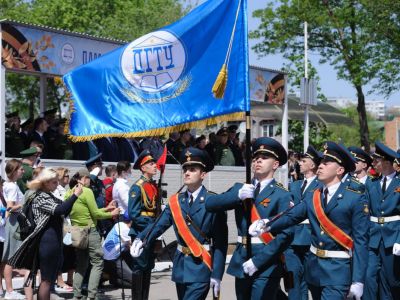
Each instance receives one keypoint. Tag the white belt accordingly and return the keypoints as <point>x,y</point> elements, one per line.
<point>254,240</point>
<point>184,249</point>
<point>306,221</point>
<point>329,254</point>
<point>382,220</point>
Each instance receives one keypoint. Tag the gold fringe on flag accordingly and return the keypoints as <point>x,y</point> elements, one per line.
<point>238,116</point>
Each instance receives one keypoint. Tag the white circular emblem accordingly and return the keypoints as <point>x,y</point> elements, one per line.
<point>154,62</point>
<point>67,54</point>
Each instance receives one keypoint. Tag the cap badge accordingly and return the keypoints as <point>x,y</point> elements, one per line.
<point>188,153</point>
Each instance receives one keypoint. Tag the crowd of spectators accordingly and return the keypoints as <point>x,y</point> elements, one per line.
<point>47,133</point>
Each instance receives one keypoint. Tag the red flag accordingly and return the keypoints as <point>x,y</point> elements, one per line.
<point>161,161</point>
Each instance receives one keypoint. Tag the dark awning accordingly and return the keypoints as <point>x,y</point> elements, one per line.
<point>321,113</point>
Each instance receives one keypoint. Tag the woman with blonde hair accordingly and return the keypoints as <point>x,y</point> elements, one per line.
<point>42,249</point>
<point>14,199</point>
<point>63,180</point>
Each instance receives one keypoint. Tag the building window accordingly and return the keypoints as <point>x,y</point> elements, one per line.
<point>268,130</point>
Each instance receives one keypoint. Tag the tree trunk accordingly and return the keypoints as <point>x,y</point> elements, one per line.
<point>362,118</point>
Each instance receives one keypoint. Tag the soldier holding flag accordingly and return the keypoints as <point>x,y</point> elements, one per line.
<point>258,271</point>
<point>199,261</point>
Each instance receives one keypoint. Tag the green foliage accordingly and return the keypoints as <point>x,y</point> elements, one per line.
<point>348,135</point>
<point>344,33</point>
<point>318,134</point>
<point>120,19</point>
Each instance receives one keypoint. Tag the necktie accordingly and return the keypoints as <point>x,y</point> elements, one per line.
<point>191,200</point>
<point>384,185</point>
<point>326,196</point>
<point>303,187</point>
<point>257,190</point>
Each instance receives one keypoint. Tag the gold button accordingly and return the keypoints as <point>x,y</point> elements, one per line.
<point>321,244</point>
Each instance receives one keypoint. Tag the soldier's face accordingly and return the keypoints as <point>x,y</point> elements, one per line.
<point>150,168</point>
<point>360,166</point>
<point>377,164</point>
<point>306,165</point>
<point>264,166</point>
<point>193,175</point>
<point>329,170</point>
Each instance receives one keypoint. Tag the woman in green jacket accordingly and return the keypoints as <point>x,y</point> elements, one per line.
<point>86,213</point>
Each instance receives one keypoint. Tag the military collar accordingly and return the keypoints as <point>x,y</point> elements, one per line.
<point>145,179</point>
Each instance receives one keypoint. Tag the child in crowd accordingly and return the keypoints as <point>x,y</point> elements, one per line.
<point>111,176</point>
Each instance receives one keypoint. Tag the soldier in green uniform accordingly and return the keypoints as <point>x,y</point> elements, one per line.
<point>142,211</point>
<point>29,157</point>
<point>223,154</point>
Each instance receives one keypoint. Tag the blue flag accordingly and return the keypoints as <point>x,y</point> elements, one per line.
<point>163,81</point>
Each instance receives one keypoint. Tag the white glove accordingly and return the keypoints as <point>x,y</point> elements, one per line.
<point>136,248</point>
<point>249,267</point>
<point>246,192</point>
<point>215,284</point>
<point>258,227</point>
<point>356,291</point>
<point>396,249</point>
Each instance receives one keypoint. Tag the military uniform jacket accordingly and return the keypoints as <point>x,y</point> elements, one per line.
<point>99,190</point>
<point>273,199</point>
<point>138,209</point>
<point>348,210</point>
<point>384,205</point>
<point>187,268</point>
<point>302,232</point>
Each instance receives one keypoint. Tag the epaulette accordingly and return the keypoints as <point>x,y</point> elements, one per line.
<point>354,191</point>
<point>139,182</point>
<point>355,180</point>
<point>280,185</point>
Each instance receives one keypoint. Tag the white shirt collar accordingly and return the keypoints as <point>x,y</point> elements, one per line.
<point>345,177</point>
<point>39,133</point>
<point>363,180</point>
<point>195,193</point>
<point>264,183</point>
<point>388,177</point>
<point>309,180</point>
<point>332,190</point>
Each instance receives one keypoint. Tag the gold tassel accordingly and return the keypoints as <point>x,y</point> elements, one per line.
<point>220,83</point>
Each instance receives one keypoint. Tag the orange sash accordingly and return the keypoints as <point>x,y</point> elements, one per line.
<point>328,226</point>
<point>195,247</point>
<point>266,237</point>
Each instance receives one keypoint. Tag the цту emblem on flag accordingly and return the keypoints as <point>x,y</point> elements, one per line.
<point>154,65</point>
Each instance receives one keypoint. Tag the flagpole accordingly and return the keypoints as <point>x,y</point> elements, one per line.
<point>248,180</point>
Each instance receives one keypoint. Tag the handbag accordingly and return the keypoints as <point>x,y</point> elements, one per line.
<point>80,236</point>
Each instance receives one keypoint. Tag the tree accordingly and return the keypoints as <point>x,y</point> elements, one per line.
<point>341,32</point>
<point>348,134</point>
<point>120,19</point>
<point>319,134</point>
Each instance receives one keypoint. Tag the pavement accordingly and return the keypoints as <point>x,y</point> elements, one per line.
<point>162,288</point>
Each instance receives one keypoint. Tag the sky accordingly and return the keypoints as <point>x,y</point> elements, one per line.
<point>330,85</point>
